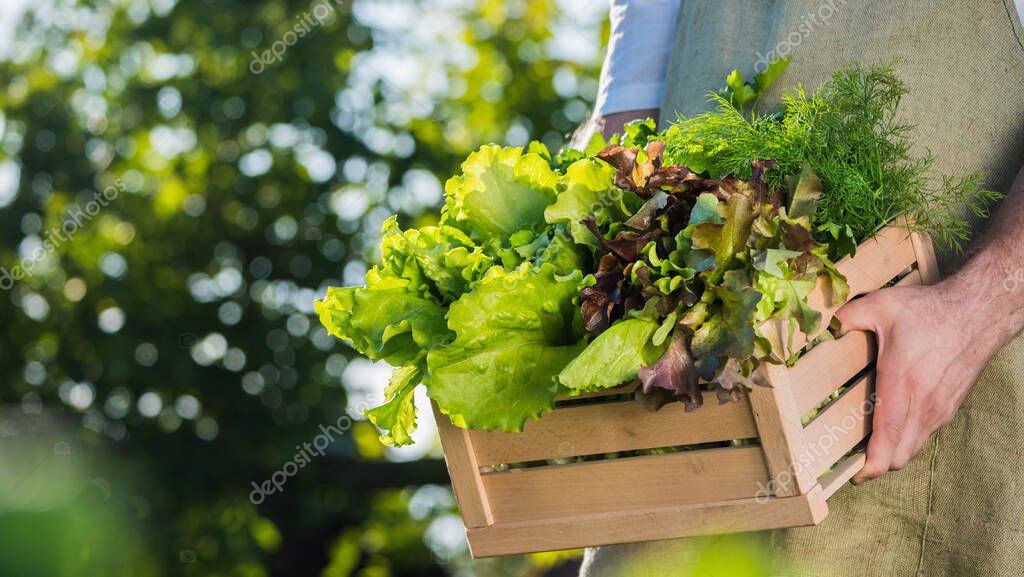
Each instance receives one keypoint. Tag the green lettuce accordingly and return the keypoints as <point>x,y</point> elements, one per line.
<point>515,331</point>
<point>442,260</point>
<point>389,319</point>
<point>614,357</point>
<point>726,240</point>
<point>587,189</point>
<point>728,331</point>
<point>396,418</point>
<point>500,192</point>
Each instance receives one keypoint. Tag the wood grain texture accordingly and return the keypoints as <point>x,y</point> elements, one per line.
<point>615,426</point>
<point>828,366</point>
<point>926,263</point>
<point>633,525</point>
<point>687,477</point>
<point>781,434</point>
<point>839,427</point>
<point>879,260</point>
<point>464,471</point>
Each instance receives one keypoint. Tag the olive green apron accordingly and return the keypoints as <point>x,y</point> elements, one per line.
<point>958,507</point>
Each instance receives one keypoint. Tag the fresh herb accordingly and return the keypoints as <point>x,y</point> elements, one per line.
<point>848,132</point>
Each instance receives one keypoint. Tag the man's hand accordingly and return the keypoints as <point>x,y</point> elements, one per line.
<point>934,341</point>
<point>930,353</point>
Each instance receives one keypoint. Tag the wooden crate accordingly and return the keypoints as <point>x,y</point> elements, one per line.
<point>779,475</point>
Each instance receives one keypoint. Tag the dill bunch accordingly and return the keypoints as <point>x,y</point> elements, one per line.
<point>849,134</point>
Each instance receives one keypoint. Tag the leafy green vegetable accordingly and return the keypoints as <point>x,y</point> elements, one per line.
<point>614,357</point>
<point>701,265</point>
<point>385,320</point>
<point>725,240</point>
<point>765,79</point>
<point>729,330</point>
<point>434,283</point>
<point>397,416</point>
<point>501,191</point>
<point>705,210</point>
<point>566,256</point>
<point>442,259</point>
<point>587,189</point>
<point>674,376</point>
<point>804,197</point>
<point>742,94</point>
<point>654,259</point>
<point>515,332</point>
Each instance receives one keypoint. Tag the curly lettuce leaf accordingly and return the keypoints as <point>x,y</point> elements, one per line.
<point>515,332</point>
<point>638,133</point>
<point>674,376</point>
<point>728,240</point>
<point>807,189</point>
<point>564,254</point>
<point>614,357</point>
<point>728,331</point>
<point>770,260</point>
<point>500,191</point>
<point>766,78</point>
<point>396,418</point>
<point>588,189</point>
<point>787,299</point>
<point>442,258</point>
<point>388,319</point>
<point>705,209</point>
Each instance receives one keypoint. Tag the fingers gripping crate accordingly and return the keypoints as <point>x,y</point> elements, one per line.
<point>742,466</point>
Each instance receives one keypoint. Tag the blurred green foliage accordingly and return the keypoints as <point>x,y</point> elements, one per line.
<point>178,182</point>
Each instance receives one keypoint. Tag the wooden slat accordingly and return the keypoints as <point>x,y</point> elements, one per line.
<point>838,428</point>
<point>925,251</point>
<point>615,426</point>
<point>842,473</point>
<point>464,471</point>
<point>879,260</point>
<point>568,491</point>
<point>629,525</point>
<point>912,278</point>
<point>828,366</point>
<point>781,434</point>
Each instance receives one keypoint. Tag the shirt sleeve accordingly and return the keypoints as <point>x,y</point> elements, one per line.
<point>633,73</point>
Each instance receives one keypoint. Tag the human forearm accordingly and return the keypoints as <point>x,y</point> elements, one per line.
<point>987,294</point>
